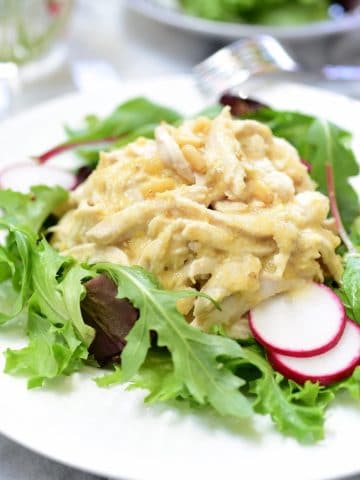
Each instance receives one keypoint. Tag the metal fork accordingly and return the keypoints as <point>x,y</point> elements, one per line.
<point>233,65</point>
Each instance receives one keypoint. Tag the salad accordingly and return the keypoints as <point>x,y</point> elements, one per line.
<point>266,12</point>
<point>194,258</point>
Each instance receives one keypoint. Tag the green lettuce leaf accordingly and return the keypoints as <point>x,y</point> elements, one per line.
<point>23,215</point>
<point>156,375</point>
<point>351,385</point>
<point>127,117</point>
<point>327,143</point>
<point>110,379</point>
<point>136,117</point>
<point>15,265</point>
<point>296,411</point>
<point>58,289</point>
<point>53,350</point>
<point>350,288</point>
<point>58,337</point>
<point>188,364</point>
<point>30,209</point>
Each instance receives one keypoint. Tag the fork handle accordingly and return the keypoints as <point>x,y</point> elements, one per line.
<point>341,72</point>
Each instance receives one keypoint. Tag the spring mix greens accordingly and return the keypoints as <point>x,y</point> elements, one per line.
<point>163,353</point>
<point>265,12</point>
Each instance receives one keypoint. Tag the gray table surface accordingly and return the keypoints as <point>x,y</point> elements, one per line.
<point>134,47</point>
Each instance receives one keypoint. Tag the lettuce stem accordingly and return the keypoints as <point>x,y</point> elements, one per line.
<point>335,210</point>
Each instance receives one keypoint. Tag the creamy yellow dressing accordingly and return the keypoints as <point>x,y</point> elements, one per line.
<point>219,205</point>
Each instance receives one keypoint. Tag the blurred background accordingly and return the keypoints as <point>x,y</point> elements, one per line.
<point>67,45</point>
<point>53,47</point>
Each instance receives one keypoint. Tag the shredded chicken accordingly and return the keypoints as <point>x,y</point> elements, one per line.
<point>219,205</point>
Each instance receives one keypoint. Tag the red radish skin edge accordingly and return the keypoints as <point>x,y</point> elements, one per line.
<point>18,166</point>
<point>303,353</point>
<point>307,164</point>
<point>322,379</point>
<point>63,147</point>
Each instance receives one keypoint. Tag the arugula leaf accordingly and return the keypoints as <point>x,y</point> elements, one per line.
<point>195,355</point>
<point>295,412</point>
<point>31,209</point>
<point>319,142</point>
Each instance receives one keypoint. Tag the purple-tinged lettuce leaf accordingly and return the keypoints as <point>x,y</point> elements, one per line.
<point>112,318</point>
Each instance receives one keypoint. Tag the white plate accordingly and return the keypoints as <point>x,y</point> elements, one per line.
<point>111,432</point>
<point>167,11</point>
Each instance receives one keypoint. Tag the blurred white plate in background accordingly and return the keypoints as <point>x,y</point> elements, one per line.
<point>165,11</point>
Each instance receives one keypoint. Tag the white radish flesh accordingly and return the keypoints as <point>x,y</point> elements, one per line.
<point>327,368</point>
<point>300,323</point>
<point>21,177</point>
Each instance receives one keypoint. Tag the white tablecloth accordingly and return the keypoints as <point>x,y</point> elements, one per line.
<point>134,47</point>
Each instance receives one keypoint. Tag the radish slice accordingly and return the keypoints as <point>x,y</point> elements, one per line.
<point>21,177</point>
<point>329,367</point>
<point>300,323</point>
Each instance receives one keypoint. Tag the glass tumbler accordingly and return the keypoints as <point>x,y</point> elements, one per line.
<point>28,28</point>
